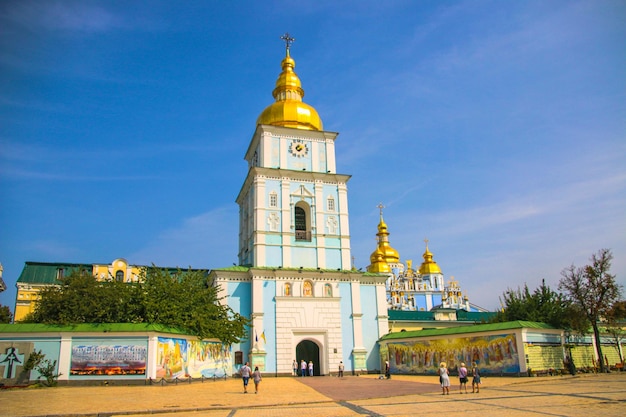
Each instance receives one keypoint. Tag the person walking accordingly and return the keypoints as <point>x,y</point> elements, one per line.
<point>245,372</point>
<point>310,368</point>
<point>294,365</point>
<point>463,378</point>
<point>303,367</point>
<point>256,377</point>
<point>340,374</point>
<point>444,378</point>
<point>475,378</point>
<point>387,370</point>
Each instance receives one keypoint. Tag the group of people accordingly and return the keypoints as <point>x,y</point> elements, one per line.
<point>304,368</point>
<point>444,378</point>
<point>444,375</point>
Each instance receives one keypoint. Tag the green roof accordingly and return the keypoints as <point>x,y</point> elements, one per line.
<point>509,325</point>
<point>88,328</point>
<point>461,315</point>
<point>47,273</point>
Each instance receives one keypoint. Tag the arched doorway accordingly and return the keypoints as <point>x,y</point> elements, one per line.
<point>309,351</point>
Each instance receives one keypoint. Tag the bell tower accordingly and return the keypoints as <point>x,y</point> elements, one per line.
<point>293,205</point>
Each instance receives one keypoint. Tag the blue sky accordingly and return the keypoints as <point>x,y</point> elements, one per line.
<point>496,129</point>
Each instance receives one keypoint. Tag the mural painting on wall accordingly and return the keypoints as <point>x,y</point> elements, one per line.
<point>179,358</point>
<point>101,359</point>
<point>493,354</point>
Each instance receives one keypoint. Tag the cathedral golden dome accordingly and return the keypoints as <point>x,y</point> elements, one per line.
<point>429,266</point>
<point>389,254</point>
<point>289,110</point>
<point>377,262</point>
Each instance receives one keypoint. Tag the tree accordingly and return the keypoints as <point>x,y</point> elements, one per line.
<point>542,305</point>
<point>5,314</point>
<point>593,291</point>
<point>81,298</point>
<point>615,321</point>
<point>187,300</point>
<point>182,299</point>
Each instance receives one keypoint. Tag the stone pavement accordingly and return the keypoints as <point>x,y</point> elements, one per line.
<point>584,395</point>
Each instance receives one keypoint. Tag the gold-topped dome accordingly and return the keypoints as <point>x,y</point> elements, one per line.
<point>389,254</point>
<point>377,262</point>
<point>429,266</point>
<point>289,110</point>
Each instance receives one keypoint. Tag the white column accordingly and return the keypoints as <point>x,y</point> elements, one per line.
<point>151,360</point>
<point>382,314</point>
<point>344,226</point>
<point>330,156</point>
<point>257,311</point>
<point>285,207</point>
<point>65,358</point>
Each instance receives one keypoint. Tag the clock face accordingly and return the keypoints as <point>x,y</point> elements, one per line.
<point>298,148</point>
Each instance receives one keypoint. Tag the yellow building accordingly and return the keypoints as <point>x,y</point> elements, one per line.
<point>38,275</point>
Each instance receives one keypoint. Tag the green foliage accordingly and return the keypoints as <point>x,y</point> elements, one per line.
<point>34,359</point>
<point>615,323</point>
<point>182,299</point>
<point>83,299</point>
<point>45,367</point>
<point>47,370</point>
<point>185,299</point>
<point>542,305</point>
<point>593,292</point>
<point>5,314</point>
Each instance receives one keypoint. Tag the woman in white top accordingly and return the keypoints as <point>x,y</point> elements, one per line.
<point>444,378</point>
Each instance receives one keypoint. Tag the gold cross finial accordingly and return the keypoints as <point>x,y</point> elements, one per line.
<point>288,41</point>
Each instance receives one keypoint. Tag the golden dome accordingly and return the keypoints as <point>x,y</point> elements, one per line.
<point>429,266</point>
<point>289,110</point>
<point>377,262</point>
<point>389,254</point>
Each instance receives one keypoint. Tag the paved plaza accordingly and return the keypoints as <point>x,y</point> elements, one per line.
<point>584,395</point>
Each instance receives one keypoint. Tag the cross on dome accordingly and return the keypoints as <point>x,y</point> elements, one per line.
<point>288,41</point>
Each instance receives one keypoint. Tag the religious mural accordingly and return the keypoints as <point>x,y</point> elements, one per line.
<point>493,354</point>
<point>180,358</point>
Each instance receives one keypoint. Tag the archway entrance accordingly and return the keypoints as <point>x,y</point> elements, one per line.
<point>309,351</point>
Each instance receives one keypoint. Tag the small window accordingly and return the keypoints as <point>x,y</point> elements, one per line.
<point>331,204</point>
<point>119,276</point>
<point>273,199</point>
<point>239,358</point>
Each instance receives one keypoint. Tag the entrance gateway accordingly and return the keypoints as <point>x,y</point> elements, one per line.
<point>309,351</point>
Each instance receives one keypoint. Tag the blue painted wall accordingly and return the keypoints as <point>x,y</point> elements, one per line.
<point>347,332</point>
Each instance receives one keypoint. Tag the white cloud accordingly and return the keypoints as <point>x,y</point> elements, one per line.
<point>63,15</point>
<point>208,240</point>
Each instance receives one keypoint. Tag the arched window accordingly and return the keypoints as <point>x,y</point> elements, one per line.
<point>302,221</point>
<point>288,290</point>
<point>119,275</point>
